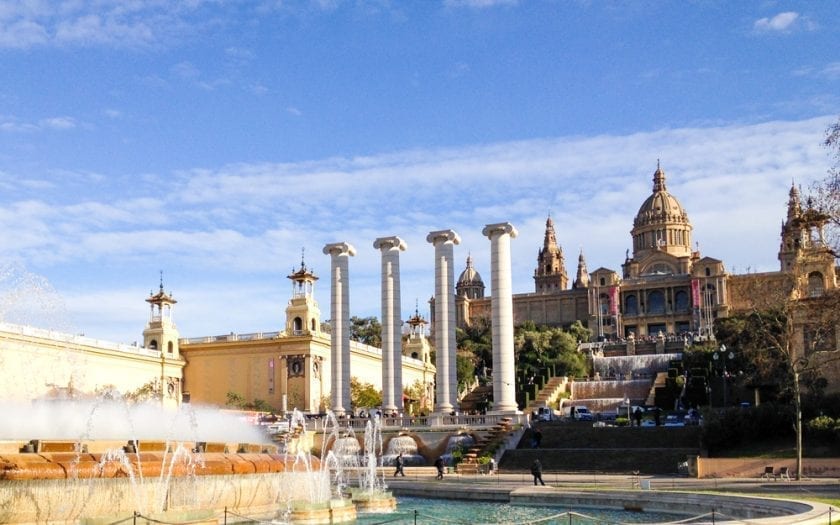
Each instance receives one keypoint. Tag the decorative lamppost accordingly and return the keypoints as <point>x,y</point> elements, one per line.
<point>722,356</point>
<point>627,404</point>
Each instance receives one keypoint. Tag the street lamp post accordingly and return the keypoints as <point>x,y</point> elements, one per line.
<point>723,357</point>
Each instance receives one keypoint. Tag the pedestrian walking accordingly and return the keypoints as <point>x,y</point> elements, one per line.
<point>400,464</point>
<point>440,466</point>
<point>536,471</point>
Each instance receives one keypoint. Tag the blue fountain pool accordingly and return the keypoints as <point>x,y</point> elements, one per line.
<point>430,511</point>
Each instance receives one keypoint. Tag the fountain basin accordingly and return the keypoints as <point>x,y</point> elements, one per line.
<point>373,502</point>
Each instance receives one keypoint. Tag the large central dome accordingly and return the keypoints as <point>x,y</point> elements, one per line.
<point>661,224</point>
<point>661,206</point>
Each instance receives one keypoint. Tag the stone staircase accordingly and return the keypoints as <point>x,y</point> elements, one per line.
<point>476,400</point>
<point>548,395</point>
<point>483,444</point>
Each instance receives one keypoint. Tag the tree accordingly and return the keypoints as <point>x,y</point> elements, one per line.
<point>477,338</point>
<point>827,191</point>
<point>537,347</point>
<point>232,399</point>
<point>364,394</point>
<point>782,335</point>
<point>464,368</point>
<point>146,392</point>
<point>366,330</point>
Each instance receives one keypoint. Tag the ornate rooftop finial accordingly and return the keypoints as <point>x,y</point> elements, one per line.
<point>161,280</point>
<point>658,178</point>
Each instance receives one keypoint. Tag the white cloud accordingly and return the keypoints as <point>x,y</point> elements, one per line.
<point>58,123</point>
<point>186,70</point>
<point>240,227</point>
<point>13,124</point>
<point>831,70</point>
<point>782,22</point>
<point>22,34</point>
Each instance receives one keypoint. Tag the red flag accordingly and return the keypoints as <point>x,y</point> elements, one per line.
<point>695,293</point>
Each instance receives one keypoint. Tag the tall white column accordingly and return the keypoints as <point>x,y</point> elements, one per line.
<point>446,381</point>
<point>501,306</point>
<point>391,322</point>
<point>339,253</point>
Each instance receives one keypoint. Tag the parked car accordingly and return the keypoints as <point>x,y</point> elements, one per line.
<point>583,414</point>
<point>544,414</point>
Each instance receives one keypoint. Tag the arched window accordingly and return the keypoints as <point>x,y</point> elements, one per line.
<point>708,272</point>
<point>170,347</point>
<point>312,327</point>
<point>297,325</point>
<point>153,344</point>
<point>816,286</point>
<point>631,305</point>
<point>681,301</point>
<point>656,302</point>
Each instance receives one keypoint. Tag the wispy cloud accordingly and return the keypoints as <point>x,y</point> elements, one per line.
<point>240,226</point>
<point>124,24</point>
<point>15,125</point>
<point>784,22</point>
<point>59,123</point>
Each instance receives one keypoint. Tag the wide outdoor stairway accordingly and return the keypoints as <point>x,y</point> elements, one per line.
<point>580,447</point>
<point>484,444</point>
<point>476,399</point>
<point>548,395</point>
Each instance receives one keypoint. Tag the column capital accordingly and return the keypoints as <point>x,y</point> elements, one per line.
<point>339,248</point>
<point>442,236</point>
<point>390,243</point>
<point>500,228</point>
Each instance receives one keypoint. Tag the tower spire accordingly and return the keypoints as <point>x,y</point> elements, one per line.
<point>582,277</point>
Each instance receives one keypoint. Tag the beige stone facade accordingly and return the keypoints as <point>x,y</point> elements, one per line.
<point>286,369</point>
<point>665,286</point>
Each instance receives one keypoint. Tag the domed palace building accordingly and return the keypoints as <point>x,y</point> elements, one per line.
<point>666,292</point>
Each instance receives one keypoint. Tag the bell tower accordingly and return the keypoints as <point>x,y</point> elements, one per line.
<point>303,317</point>
<point>550,275</point>
<point>161,333</point>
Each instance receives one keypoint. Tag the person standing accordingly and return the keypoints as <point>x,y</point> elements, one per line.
<point>440,466</point>
<point>536,471</point>
<point>537,437</point>
<point>400,464</point>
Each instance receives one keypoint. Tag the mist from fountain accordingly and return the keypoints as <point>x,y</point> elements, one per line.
<point>406,445</point>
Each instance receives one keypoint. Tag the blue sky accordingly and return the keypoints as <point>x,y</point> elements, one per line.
<point>215,139</point>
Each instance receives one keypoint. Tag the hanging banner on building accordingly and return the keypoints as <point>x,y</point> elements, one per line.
<point>613,300</point>
<point>695,293</point>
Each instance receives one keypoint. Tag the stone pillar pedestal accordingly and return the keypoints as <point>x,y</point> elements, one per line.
<point>501,306</point>
<point>446,381</point>
<point>391,322</point>
<point>340,253</point>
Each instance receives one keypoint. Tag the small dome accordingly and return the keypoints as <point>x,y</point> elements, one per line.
<point>661,206</point>
<point>470,276</point>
